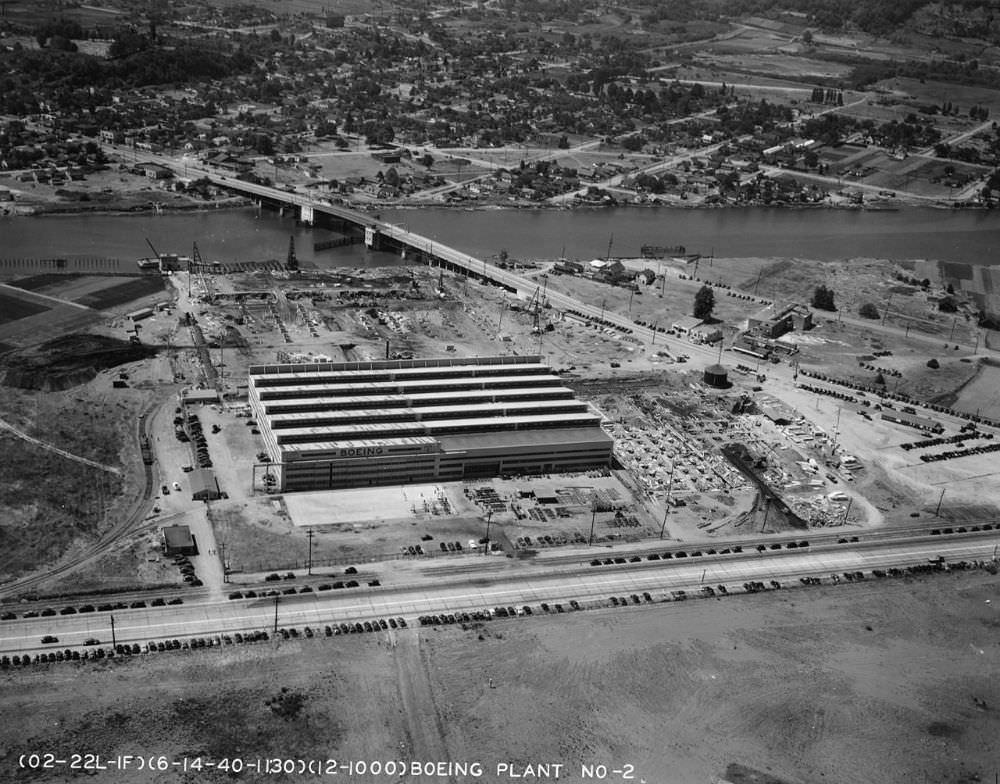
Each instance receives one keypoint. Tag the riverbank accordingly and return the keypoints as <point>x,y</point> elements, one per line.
<point>110,193</point>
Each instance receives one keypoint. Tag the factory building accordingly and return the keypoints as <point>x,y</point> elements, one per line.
<point>358,424</point>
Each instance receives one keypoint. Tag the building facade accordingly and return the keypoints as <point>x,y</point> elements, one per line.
<point>359,424</point>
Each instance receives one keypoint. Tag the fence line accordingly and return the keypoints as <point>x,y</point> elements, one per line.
<point>94,265</point>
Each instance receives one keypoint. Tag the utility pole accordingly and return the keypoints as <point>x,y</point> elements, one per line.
<point>666,505</point>
<point>276,614</point>
<point>222,557</point>
<point>593,518</point>
<point>489,517</point>
<point>114,642</point>
<point>310,534</point>
<point>885,312</point>
<point>847,511</point>
<point>940,499</point>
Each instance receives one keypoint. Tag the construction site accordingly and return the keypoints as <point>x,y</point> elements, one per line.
<point>267,440</point>
<point>269,380</point>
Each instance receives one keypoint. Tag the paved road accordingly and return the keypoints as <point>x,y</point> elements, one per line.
<point>520,585</point>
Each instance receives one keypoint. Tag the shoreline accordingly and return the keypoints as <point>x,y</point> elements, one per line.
<point>56,210</point>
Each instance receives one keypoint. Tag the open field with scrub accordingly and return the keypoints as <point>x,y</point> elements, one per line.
<point>846,683</point>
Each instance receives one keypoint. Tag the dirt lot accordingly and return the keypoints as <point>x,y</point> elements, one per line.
<point>110,190</point>
<point>353,527</point>
<point>843,683</point>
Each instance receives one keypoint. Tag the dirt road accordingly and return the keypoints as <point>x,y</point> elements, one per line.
<point>424,726</point>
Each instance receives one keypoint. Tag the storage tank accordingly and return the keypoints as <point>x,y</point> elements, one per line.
<point>716,376</point>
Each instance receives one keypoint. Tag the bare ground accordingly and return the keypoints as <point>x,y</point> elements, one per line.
<point>849,683</point>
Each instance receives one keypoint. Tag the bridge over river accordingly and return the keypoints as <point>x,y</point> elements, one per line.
<point>386,236</point>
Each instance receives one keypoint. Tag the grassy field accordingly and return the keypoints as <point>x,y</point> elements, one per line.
<point>963,96</point>
<point>13,308</point>
<point>119,294</point>
<point>48,503</point>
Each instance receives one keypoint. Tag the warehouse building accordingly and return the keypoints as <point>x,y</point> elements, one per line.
<point>204,485</point>
<point>178,540</point>
<point>358,424</point>
<point>912,420</point>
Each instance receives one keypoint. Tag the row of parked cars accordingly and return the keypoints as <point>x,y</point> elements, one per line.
<point>336,585</point>
<point>10,615</point>
<point>186,568</point>
<point>963,529</point>
<point>200,442</point>
<point>490,614</point>
<point>670,554</point>
<point>335,629</point>
<point>126,649</point>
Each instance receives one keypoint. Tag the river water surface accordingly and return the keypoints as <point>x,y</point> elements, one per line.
<point>243,235</point>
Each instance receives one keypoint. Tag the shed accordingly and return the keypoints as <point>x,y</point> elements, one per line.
<point>204,485</point>
<point>705,333</point>
<point>139,315</point>
<point>178,540</point>
<point>912,420</point>
<point>686,323</point>
<point>199,396</point>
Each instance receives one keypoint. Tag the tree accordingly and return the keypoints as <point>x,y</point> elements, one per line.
<point>868,311</point>
<point>704,303</point>
<point>947,305</point>
<point>633,142</point>
<point>823,298</point>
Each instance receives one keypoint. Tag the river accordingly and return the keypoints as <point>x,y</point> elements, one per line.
<point>243,235</point>
<point>968,236</point>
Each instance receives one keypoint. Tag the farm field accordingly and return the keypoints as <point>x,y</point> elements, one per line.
<point>13,308</point>
<point>779,65</point>
<point>121,293</point>
<point>964,96</point>
<point>98,292</point>
<point>48,323</point>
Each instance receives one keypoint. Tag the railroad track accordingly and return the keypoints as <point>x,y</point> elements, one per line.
<point>129,523</point>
